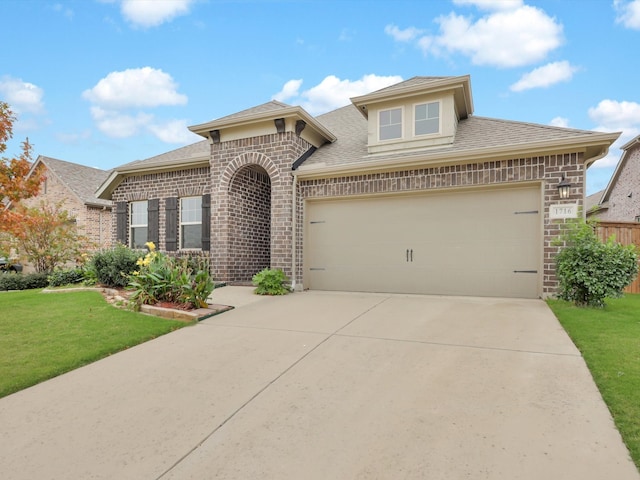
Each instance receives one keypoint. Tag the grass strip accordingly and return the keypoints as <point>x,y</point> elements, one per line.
<point>609,340</point>
<point>45,335</point>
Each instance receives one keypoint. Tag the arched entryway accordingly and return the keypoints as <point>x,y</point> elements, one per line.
<point>249,223</point>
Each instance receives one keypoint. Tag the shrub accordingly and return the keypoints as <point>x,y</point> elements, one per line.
<point>67,276</point>
<point>590,270</point>
<point>19,281</point>
<point>161,278</point>
<point>112,267</point>
<point>270,282</point>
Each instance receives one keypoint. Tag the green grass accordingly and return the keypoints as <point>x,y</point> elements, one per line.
<point>609,340</point>
<point>45,335</point>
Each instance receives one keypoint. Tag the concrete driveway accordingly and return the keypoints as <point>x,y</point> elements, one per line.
<point>320,385</point>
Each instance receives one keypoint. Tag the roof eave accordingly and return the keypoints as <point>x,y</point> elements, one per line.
<point>111,183</point>
<point>597,144</point>
<point>203,129</point>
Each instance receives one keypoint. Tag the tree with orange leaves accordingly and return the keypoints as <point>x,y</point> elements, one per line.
<point>16,182</point>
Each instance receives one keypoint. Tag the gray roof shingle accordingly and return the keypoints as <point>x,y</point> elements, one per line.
<point>473,134</point>
<point>83,181</point>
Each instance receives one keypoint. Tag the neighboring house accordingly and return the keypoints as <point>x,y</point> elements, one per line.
<point>75,186</point>
<point>620,201</point>
<point>402,191</point>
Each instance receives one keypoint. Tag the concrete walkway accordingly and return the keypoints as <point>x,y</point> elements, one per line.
<point>322,385</point>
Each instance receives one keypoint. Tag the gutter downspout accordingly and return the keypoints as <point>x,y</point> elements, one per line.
<point>294,228</point>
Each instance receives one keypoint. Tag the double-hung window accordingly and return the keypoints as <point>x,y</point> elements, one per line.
<point>138,224</point>
<point>427,118</point>
<point>191,222</point>
<point>390,124</point>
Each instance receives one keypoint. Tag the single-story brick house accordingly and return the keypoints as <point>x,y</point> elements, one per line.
<point>74,186</point>
<point>620,201</point>
<point>404,191</point>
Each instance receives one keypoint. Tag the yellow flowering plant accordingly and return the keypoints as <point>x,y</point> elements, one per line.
<point>162,278</point>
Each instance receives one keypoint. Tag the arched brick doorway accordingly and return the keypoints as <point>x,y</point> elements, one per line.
<point>249,223</point>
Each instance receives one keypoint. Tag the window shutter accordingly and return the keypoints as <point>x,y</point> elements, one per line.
<point>121,222</point>
<point>153,220</point>
<point>206,222</point>
<point>171,221</point>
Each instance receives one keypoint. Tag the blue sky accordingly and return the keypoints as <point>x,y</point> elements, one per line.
<point>106,82</point>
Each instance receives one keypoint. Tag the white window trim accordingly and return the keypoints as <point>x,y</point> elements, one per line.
<point>402,126</point>
<point>181,223</point>
<point>137,225</point>
<point>427,135</point>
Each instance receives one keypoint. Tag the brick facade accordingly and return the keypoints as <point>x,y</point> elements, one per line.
<point>267,155</point>
<point>547,170</point>
<point>92,221</point>
<point>624,198</point>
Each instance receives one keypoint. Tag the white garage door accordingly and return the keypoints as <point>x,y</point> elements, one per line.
<point>477,242</point>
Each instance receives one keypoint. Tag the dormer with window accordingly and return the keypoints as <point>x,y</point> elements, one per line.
<point>422,112</point>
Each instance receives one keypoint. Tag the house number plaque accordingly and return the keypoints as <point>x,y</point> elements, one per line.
<point>563,211</point>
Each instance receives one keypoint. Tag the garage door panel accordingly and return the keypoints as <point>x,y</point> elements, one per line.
<point>464,243</point>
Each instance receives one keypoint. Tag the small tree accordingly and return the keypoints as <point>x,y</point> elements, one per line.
<point>590,270</point>
<point>46,235</point>
<point>16,183</point>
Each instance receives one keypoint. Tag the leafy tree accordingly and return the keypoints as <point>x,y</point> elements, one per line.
<point>15,182</point>
<point>590,270</point>
<point>47,235</point>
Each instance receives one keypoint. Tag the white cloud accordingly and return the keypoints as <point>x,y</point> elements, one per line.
<point>290,89</point>
<point>615,116</point>
<point>545,76</point>
<point>23,97</point>
<point>151,13</point>
<point>120,125</point>
<point>173,131</point>
<point>406,35</point>
<point>491,4</point>
<point>332,92</point>
<point>628,13</point>
<point>559,122</point>
<point>511,35</point>
<point>136,87</point>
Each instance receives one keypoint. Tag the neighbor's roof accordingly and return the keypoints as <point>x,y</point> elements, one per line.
<point>81,180</point>
<point>619,168</point>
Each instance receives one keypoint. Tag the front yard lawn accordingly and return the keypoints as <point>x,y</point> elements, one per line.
<point>45,335</point>
<point>609,340</point>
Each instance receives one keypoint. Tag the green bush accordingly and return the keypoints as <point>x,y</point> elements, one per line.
<point>270,282</point>
<point>590,270</point>
<point>68,276</point>
<point>19,281</point>
<point>112,267</point>
<point>161,278</point>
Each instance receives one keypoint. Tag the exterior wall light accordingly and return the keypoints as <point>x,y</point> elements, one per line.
<point>563,188</point>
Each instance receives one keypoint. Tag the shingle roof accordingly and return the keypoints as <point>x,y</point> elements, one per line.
<point>187,153</point>
<point>83,181</point>
<point>271,106</point>
<point>473,134</point>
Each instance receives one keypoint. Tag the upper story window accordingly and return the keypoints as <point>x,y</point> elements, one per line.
<point>427,118</point>
<point>390,124</point>
<point>138,224</point>
<point>191,222</point>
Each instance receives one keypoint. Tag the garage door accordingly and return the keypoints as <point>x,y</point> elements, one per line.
<point>477,242</point>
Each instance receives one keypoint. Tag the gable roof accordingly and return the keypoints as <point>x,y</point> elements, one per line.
<point>460,86</point>
<point>80,180</point>
<point>619,168</point>
<point>190,156</point>
<point>261,113</point>
<point>477,138</point>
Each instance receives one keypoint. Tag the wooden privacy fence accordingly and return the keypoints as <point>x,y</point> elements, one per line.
<point>626,233</point>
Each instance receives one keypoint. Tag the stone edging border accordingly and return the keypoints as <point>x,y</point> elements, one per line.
<point>196,315</point>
